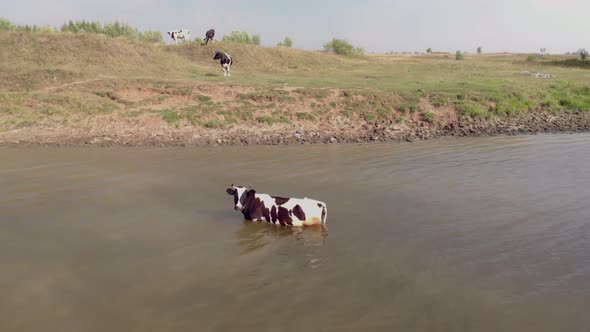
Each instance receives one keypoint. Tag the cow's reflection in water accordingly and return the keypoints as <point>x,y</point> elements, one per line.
<point>257,238</point>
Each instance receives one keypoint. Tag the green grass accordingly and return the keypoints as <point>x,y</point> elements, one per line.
<point>314,93</point>
<point>49,79</point>
<point>171,117</point>
<point>305,116</point>
<point>270,96</point>
<point>515,105</point>
<point>216,123</point>
<point>270,120</point>
<point>474,110</point>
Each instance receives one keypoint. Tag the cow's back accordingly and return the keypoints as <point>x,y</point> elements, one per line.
<point>285,211</point>
<point>306,211</point>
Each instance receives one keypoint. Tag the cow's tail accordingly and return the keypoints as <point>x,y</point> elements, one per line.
<point>324,213</point>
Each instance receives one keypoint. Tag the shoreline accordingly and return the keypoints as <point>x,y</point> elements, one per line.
<point>298,134</point>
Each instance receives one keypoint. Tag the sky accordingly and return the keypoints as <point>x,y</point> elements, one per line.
<point>376,25</point>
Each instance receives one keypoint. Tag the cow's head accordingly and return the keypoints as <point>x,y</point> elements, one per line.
<point>218,55</point>
<point>239,194</point>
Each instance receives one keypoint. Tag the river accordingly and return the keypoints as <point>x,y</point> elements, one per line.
<point>471,234</point>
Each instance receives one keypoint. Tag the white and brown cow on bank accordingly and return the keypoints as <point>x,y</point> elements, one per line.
<point>278,210</point>
<point>182,34</point>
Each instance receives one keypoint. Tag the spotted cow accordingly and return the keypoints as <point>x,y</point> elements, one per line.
<point>182,34</point>
<point>278,210</point>
<point>225,60</point>
<point>209,36</point>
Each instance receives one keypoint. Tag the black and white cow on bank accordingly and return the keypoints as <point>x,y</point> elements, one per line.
<point>278,210</point>
<point>209,35</point>
<point>182,34</point>
<point>225,60</point>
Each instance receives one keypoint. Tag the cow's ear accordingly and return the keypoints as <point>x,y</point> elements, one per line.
<point>230,191</point>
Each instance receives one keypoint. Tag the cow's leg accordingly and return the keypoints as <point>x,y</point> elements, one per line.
<point>228,71</point>
<point>224,71</point>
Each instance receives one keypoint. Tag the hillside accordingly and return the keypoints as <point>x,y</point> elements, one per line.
<point>61,88</point>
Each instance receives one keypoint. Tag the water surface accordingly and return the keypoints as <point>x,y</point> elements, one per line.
<point>477,234</point>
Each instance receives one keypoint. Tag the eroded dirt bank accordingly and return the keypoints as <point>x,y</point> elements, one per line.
<point>129,134</point>
<point>201,115</point>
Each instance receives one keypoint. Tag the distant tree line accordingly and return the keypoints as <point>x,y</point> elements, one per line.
<point>242,37</point>
<point>115,29</point>
<point>6,25</point>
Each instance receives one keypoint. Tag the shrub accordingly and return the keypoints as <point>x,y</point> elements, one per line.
<point>199,40</point>
<point>459,56</point>
<point>429,50</point>
<point>479,50</point>
<point>342,47</point>
<point>241,37</point>
<point>256,40</point>
<point>151,36</point>
<point>6,25</point>
<point>113,30</point>
<point>286,43</point>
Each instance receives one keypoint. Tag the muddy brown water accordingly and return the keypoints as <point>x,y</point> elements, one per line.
<point>477,234</point>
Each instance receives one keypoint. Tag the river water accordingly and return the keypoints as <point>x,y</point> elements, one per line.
<point>476,234</point>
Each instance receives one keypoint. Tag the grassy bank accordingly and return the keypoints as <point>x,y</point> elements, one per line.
<point>84,83</point>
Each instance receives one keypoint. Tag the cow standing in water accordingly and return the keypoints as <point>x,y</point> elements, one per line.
<point>225,60</point>
<point>278,210</point>
<point>209,35</point>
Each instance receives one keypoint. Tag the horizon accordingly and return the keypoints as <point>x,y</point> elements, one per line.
<point>520,26</point>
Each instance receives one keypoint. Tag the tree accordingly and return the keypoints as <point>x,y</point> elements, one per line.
<point>583,53</point>
<point>286,43</point>
<point>479,50</point>
<point>459,56</point>
<point>429,50</point>
<point>342,47</point>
